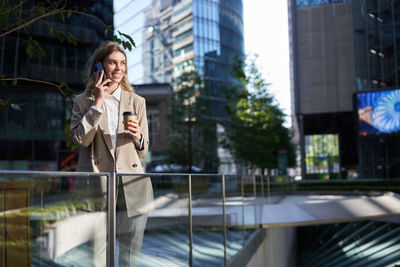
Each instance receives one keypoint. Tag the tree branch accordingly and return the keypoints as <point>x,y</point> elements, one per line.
<point>26,24</point>
<point>89,15</point>
<point>19,5</point>
<point>52,13</point>
<point>36,81</point>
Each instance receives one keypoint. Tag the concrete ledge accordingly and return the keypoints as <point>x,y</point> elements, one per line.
<point>331,211</point>
<point>243,257</point>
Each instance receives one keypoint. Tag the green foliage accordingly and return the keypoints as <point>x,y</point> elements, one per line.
<point>61,16</point>
<point>193,139</point>
<point>388,185</point>
<point>33,49</point>
<point>327,144</point>
<point>6,103</point>
<point>123,39</point>
<point>254,132</point>
<point>66,36</point>
<point>107,29</point>
<point>69,13</point>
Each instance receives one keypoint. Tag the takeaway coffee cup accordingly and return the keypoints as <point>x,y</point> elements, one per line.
<point>128,115</point>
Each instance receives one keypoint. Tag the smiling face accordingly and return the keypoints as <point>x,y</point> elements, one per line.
<point>115,67</point>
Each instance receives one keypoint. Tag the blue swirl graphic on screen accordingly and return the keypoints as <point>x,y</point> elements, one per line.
<point>386,115</point>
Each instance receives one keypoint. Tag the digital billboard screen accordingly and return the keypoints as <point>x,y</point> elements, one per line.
<point>378,112</point>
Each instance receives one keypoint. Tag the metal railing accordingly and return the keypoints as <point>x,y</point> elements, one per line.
<point>206,214</point>
<point>234,200</point>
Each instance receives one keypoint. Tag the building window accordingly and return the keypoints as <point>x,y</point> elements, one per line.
<point>318,2</point>
<point>322,155</point>
<point>183,36</point>
<point>45,123</point>
<point>183,51</point>
<point>180,67</point>
<point>182,9</point>
<point>376,45</point>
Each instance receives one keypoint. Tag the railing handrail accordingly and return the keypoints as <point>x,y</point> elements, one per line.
<point>73,173</point>
<point>158,174</point>
<point>344,180</point>
<point>51,173</point>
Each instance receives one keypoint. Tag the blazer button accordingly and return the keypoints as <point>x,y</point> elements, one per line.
<point>134,165</point>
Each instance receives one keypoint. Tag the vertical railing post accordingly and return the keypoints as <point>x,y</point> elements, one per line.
<point>243,229</point>
<point>190,222</point>
<point>111,221</point>
<point>4,222</point>
<point>269,188</point>
<point>224,215</point>
<point>255,200</point>
<point>262,188</point>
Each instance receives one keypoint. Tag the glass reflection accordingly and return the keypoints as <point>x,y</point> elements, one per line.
<point>47,221</point>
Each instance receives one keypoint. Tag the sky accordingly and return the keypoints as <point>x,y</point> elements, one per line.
<point>266,34</point>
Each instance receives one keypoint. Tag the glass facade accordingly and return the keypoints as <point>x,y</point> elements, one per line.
<point>377,42</point>
<point>63,60</point>
<point>218,33</point>
<point>218,40</point>
<point>42,116</point>
<point>177,36</point>
<point>174,36</point>
<point>377,61</point>
<point>318,2</point>
<point>36,133</point>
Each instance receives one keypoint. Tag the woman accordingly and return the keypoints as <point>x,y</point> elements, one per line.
<point>97,126</point>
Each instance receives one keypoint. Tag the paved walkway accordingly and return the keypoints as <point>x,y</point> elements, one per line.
<point>167,233</point>
<point>316,209</point>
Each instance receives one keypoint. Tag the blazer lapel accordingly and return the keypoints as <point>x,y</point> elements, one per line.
<point>106,131</point>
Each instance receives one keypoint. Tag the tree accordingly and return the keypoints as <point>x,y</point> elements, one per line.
<point>254,132</point>
<point>192,131</point>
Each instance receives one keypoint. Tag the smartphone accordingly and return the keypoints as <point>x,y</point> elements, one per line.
<point>97,70</point>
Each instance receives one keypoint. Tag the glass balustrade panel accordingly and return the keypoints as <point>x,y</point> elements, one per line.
<point>53,220</point>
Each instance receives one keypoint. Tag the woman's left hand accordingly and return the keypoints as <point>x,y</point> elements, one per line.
<point>134,129</point>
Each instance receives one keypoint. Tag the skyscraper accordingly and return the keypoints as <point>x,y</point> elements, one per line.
<point>176,35</point>
<point>173,36</point>
<point>322,73</point>
<point>345,76</point>
<point>377,61</point>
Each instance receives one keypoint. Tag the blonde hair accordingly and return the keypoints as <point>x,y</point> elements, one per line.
<point>98,56</point>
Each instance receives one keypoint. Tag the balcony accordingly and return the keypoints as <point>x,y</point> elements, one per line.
<point>198,220</point>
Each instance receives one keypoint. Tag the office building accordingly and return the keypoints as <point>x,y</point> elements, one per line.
<point>174,36</point>
<point>34,138</point>
<point>344,60</point>
<point>322,71</point>
<point>377,59</point>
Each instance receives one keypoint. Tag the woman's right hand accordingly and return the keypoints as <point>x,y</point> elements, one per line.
<point>100,89</point>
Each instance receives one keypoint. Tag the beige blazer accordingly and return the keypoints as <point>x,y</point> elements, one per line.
<point>89,129</point>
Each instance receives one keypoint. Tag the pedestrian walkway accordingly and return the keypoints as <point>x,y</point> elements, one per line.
<point>300,210</point>
<point>167,233</point>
